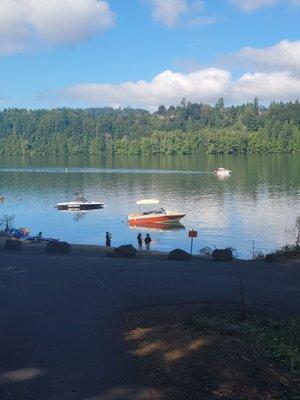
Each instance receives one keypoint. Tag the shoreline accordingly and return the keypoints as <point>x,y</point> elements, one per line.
<point>93,249</point>
<point>31,247</point>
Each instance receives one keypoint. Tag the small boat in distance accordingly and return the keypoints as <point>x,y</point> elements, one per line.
<point>222,172</point>
<point>154,216</point>
<point>79,203</point>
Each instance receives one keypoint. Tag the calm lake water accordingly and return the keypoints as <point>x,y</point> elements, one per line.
<point>259,202</point>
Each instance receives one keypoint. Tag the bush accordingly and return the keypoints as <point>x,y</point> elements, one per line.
<point>286,252</point>
<point>179,255</point>
<point>205,251</point>
<point>6,223</point>
<point>258,255</point>
<point>127,251</point>
<point>223,254</point>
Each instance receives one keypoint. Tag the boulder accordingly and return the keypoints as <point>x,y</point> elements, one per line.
<point>126,250</point>
<point>58,248</point>
<point>222,255</point>
<point>13,245</point>
<point>179,255</point>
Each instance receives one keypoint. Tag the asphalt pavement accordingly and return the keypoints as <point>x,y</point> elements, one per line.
<point>62,317</point>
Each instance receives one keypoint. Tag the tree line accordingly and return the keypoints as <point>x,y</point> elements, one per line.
<point>185,129</point>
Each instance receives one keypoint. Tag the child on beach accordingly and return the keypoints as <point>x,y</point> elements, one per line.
<point>140,241</point>
<point>148,240</point>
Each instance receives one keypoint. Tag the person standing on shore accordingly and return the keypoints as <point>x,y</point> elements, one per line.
<point>108,239</point>
<point>140,241</point>
<point>148,240</point>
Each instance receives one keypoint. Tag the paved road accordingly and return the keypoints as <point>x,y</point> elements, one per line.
<point>61,317</point>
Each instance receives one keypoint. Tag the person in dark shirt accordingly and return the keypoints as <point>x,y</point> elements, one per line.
<point>148,240</point>
<point>140,241</point>
<point>108,239</point>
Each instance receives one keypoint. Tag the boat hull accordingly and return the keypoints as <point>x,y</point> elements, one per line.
<point>77,207</point>
<point>155,219</point>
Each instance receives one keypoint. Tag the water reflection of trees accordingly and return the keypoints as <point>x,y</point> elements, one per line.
<point>251,174</point>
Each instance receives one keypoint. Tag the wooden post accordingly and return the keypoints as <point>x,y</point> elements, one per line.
<point>192,241</point>
<point>192,235</point>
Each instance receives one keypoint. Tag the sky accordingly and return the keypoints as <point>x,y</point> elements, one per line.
<point>143,53</point>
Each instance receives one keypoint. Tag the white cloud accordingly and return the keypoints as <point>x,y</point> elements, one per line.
<point>24,22</point>
<point>266,86</point>
<point>205,85</point>
<point>168,12</point>
<point>253,5</point>
<point>165,88</point>
<point>276,78</point>
<point>173,12</point>
<point>283,56</point>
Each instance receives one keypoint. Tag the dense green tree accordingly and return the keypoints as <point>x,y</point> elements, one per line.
<point>184,129</point>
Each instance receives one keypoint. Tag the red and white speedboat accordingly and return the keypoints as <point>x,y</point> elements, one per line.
<point>156,216</point>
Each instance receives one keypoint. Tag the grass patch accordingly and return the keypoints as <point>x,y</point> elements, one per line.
<point>195,353</point>
<point>277,339</point>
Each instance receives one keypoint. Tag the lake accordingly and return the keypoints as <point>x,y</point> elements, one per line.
<point>257,205</point>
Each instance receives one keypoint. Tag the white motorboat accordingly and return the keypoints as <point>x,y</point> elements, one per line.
<point>79,203</point>
<point>222,172</point>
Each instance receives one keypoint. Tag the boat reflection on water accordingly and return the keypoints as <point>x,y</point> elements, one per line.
<point>157,227</point>
<point>77,215</point>
<point>223,177</point>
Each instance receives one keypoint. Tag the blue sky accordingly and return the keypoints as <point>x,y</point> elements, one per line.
<point>84,52</point>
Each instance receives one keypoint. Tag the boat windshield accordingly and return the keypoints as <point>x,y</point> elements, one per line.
<point>158,211</point>
<point>79,199</point>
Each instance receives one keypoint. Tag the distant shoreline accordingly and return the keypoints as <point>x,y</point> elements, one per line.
<point>188,128</point>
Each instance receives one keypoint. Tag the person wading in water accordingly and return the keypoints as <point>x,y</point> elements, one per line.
<point>108,239</point>
<point>140,241</point>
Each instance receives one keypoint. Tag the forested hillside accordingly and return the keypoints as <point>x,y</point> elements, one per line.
<point>185,129</point>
